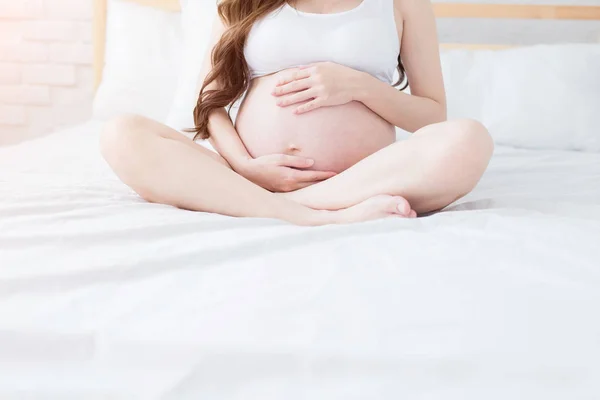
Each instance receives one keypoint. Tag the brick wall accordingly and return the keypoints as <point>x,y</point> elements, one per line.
<point>46,78</point>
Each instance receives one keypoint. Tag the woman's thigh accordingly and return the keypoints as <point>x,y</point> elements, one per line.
<point>435,166</point>
<point>135,122</point>
<point>176,135</point>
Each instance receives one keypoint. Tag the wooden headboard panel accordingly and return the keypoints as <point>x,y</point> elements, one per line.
<point>442,10</point>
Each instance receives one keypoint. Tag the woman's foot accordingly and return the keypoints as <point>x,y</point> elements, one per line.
<point>377,207</point>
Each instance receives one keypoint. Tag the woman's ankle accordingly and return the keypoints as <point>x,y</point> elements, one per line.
<point>310,217</point>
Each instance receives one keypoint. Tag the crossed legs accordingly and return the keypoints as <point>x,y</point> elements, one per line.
<point>434,167</point>
<point>439,164</point>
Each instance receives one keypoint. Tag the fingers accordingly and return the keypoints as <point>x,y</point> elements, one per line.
<point>293,75</point>
<point>285,160</point>
<point>312,176</point>
<point>302,185</point>
<point>296,98</point>
<point>292,87</point>
<point>296,179</point>
<point>310,106</point>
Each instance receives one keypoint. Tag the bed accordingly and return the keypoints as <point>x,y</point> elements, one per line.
<point>105,296</point>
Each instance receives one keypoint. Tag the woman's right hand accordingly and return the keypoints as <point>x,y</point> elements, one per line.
<point>282,172</point>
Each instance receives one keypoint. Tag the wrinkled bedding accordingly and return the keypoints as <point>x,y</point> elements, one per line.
<point>104,296</point>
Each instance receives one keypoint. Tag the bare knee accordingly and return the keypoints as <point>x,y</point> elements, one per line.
<point>468,152</point>
<point>467,143</point>
<point>118,138</point>
<point>461,152</point>
<point>116,135</point>
<point>123,142</point>
<point>471,136</point>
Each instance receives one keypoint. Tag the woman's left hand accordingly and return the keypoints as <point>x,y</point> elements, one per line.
<point>317,85</point>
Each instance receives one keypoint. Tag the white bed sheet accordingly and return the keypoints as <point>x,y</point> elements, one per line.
<point>105,296</point>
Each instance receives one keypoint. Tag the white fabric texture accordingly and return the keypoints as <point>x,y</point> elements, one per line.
<point>540,97</point>
<point>103,295</point>
<point>197,17</point>
<point>364,38</point>
<point>143,51</point>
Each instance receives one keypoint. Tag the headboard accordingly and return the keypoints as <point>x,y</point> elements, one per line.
<point>442,10</point>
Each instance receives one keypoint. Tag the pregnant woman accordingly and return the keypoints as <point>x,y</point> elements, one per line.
<point>314,140</point>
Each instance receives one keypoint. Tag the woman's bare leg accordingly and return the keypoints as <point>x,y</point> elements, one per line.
<point>436,166</point>
<point>163,166</point>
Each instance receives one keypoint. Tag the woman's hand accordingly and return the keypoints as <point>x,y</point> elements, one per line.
<point>282,173</point>
<point>322,84</point>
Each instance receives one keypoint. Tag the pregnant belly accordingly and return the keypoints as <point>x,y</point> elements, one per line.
<point>335,137</point>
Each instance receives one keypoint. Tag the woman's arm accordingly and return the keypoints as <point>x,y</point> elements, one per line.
<point>223,136</point>
<point>329,84</point>
<point>276,172</point>
<point>421,58</point>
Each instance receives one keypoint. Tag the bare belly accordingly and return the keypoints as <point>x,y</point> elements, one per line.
<point>335,137</point>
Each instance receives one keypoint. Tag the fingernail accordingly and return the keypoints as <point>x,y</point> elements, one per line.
<point>310,161</point>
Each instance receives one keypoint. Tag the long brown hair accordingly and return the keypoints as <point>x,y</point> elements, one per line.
<point>230,69</point>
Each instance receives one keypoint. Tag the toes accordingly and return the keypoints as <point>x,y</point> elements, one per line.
<point>402,207</point>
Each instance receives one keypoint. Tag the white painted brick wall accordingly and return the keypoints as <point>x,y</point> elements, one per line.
<point>49,74</point>
<point>46,78</point>
<point>10,73</point>
<point>25,94</point>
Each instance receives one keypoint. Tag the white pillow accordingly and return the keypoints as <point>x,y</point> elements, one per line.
<point>542,97</point>
<point>546,97</point>
<point>197,21</point>
<point>143,51</point>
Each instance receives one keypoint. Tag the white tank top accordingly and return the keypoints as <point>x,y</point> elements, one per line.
<point>364,38</point>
